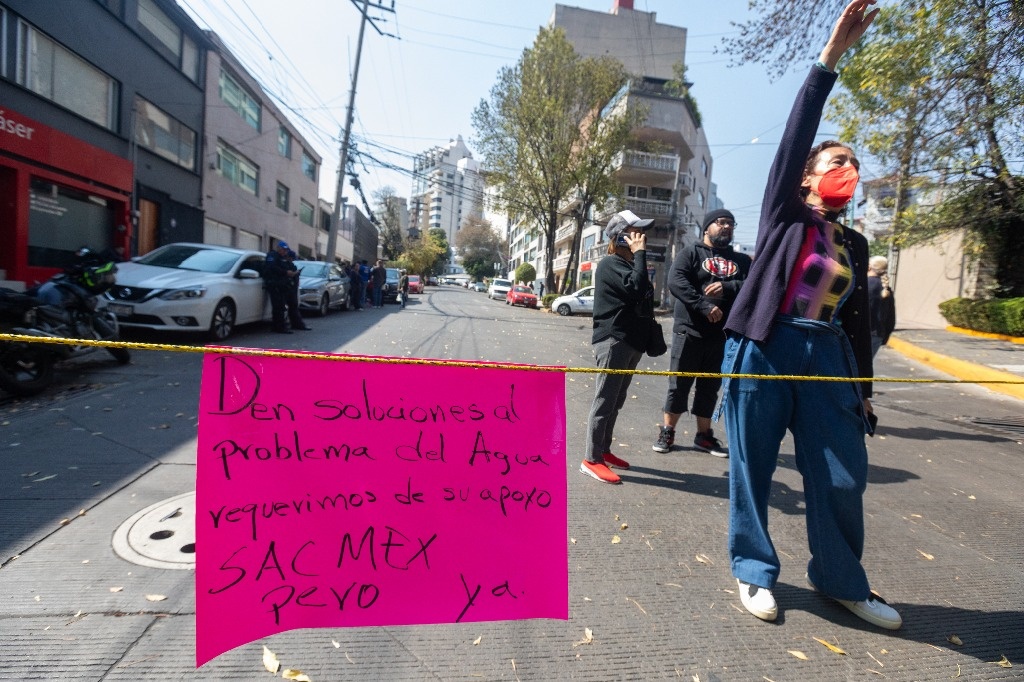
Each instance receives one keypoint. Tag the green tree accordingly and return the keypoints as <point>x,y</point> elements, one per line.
<point>906,90</point>
<point>427,256</point>
<point>480,247</point>
<point>389,220</point>
<point>533,131</point>
<point>525,273</point>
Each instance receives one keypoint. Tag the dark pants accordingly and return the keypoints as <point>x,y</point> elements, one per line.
<point>278,302</point>
<point>294,316</point>
<point>695,354</point>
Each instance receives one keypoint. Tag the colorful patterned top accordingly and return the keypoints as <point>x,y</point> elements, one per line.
<point>822,277</point>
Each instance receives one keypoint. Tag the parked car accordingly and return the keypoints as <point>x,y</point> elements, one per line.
<point>415,284</point>
<point>478,286</point>
<point>573,304</point>
<point>190,288</point>
<point>521,295</point>
<point>322,286</point>
<point>499,288</point>
<point>391,286</point>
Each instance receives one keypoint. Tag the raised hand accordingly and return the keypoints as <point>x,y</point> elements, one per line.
<point>849,28</point>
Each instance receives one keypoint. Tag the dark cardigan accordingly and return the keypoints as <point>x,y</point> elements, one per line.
<point>784,219</point>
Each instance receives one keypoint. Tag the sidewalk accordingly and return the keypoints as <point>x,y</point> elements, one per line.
<point>966,355</point>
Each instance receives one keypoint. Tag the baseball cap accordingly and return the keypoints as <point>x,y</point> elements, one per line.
<point>622,220</point>
<point>281,245</point>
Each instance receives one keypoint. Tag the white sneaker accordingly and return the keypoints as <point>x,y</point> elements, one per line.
<point>758,600</point>
<point>873,609</point>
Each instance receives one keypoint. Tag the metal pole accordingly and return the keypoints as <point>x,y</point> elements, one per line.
<point>332,234</point>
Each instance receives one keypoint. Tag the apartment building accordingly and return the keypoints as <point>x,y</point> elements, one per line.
<point>261,179</point>
<point>447,189</point>
<point>666,174</point>
<point>102,105</point>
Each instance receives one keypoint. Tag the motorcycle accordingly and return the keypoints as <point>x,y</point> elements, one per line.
<point>63,307</point>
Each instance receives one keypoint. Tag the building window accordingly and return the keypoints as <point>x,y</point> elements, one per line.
<point>282,197</point>
<point>237,169</point>
<point>704,166</point>
<point>306,212</point>
<point>49,69</point>
<point>164,135</point>
<point>636,192</point>
<point>700,197</point>
<point>160,25</point>
<point>236,97</point>
<point>308,166</point>
<point>284,142</point>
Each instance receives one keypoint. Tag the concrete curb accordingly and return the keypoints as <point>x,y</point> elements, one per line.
<point>961,369</point>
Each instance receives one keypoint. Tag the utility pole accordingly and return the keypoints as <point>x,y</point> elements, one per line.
<point>332,234</point>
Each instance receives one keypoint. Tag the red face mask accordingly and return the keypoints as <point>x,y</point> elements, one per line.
<point>837,185</point>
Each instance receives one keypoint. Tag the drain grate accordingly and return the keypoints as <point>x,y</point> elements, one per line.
<point>1011,425</point>
<point>162,535</point>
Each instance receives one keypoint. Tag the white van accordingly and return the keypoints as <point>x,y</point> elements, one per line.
<point>499,288</point>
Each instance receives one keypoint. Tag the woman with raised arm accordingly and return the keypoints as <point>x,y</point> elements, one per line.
<point>804,311</point>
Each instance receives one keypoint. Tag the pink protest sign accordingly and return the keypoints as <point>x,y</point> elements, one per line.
<point>336,494</point>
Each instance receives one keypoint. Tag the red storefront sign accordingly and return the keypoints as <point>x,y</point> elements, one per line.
<point>32,153</point>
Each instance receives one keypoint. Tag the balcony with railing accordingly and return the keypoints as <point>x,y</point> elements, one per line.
<point>636,167</point>
<point>649,208</point>
<point>560,263</point>
<point>564,232</point>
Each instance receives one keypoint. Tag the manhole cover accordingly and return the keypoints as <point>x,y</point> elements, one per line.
<point>162,535</point>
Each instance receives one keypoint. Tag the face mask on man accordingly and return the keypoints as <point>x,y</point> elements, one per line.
<point>836,186</point>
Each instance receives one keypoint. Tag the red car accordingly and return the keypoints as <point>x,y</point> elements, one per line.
<point>415,284</point>
<point>520,295</point>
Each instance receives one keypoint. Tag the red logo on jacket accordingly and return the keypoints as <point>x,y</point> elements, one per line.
<point>720,267</point>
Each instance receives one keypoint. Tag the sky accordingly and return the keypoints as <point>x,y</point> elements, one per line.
<point>419,82</point>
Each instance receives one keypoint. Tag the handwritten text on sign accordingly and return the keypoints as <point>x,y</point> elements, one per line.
<point>349,494</point>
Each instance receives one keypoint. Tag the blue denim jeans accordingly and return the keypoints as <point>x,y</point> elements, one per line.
<point>828,427</point>
<point>610,391</point>
<point>378,296</point>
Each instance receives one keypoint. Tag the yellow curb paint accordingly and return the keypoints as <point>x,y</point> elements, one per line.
<point>985,335</point>
<point>961,369</point>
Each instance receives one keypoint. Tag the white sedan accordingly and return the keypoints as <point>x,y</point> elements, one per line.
<point>573,304</point>
<point>190,288</point>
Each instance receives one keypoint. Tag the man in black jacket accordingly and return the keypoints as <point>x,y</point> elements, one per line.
<point>704,280</point>
<point>277,280</point>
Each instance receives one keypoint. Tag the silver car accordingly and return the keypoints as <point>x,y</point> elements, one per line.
<point>581,301</point>
<point>323,287</point>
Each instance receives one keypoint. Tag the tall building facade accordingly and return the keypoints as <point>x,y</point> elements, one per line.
<point>666,174</point>
<point>261,179</point>
<point>447,189</point>
<point>103,107</point>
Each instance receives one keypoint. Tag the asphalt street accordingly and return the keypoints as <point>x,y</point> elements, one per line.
<point>943,508</point>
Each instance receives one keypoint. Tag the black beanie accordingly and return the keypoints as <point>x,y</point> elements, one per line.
<point>712,216</point>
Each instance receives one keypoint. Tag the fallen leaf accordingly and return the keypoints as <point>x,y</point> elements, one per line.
<point>270,661</point>
<point>799,654</point>
<point>702,558</point>
<point>296,675</point>
<point>116,589</point>
<point>572,540</point>
<point>624,526</point>
<point>616,539</point>
<point>588,638</point>
<point>953,639</point>
<point>1003,662</point>
<point>831,647</point>
<point>85,561</point>
<point>477,640</point>
<point>336,645</point>
<point>65,522</point>
<point>926,555</point>
<point>38,598</point>
<point>155,597</point>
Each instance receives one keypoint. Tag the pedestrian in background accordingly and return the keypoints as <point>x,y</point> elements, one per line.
<point>295,320</point>
<point>881,301</point>
<point>378,278</point>
<point>623,311</point>
<point>804,311</point>
<point>403,287</point>
<point>705,279</point>
<point>277,282</point>
<point>355,286</point>
<point>364,279</point>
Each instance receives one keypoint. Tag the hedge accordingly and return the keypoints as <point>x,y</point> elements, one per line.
<point>996,316</point>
